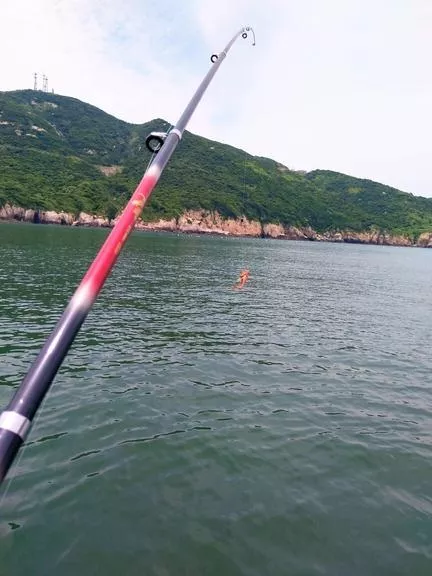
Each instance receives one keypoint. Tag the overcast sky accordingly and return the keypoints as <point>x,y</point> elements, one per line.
<point>343,85</point>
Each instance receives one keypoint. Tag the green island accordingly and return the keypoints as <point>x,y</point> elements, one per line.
<point>62,155</point>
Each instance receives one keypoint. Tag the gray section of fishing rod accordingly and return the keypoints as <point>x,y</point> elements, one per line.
<point>38,379</point>
<point>10,444</point>
<point>16,420</point>
<point>162,143</point>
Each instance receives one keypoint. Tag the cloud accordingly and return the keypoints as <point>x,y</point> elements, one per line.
<point>341,84</point>
<point>112,54</point>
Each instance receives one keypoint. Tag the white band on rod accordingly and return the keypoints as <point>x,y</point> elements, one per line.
<point>15,423</point>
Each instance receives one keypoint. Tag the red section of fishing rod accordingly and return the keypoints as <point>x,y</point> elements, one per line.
<point>97,273</point>
<point>16,420</point>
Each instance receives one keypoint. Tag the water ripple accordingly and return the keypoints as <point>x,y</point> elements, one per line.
<point>194,429</point>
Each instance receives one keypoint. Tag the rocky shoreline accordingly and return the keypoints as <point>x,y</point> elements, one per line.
<point>202,222</point>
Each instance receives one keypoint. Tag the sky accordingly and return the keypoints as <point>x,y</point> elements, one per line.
<point>342,85</point>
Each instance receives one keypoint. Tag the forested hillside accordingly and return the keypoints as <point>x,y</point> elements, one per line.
<point>58,153</point>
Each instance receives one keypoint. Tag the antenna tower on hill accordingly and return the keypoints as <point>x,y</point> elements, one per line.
<point>35,81</point>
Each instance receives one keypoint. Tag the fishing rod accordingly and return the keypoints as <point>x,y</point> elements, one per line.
<point>16,419</point>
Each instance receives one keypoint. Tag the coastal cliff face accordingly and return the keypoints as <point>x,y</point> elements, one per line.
<point>203,222</point>
<point>425,240</point>
<point>8,212</point>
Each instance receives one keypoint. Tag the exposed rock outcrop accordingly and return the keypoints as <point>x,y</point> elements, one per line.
<point>159,225</point>
<point>205,222</point>
<point>91,220</point>
<point>110,170</point>
<point>51,217</point>
<point>425,240</point>
<point>367,237</point>
<point>274,231</point>
<point>8,212</point>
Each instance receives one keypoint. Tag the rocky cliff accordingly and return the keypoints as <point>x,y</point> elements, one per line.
<point>204,222</point>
